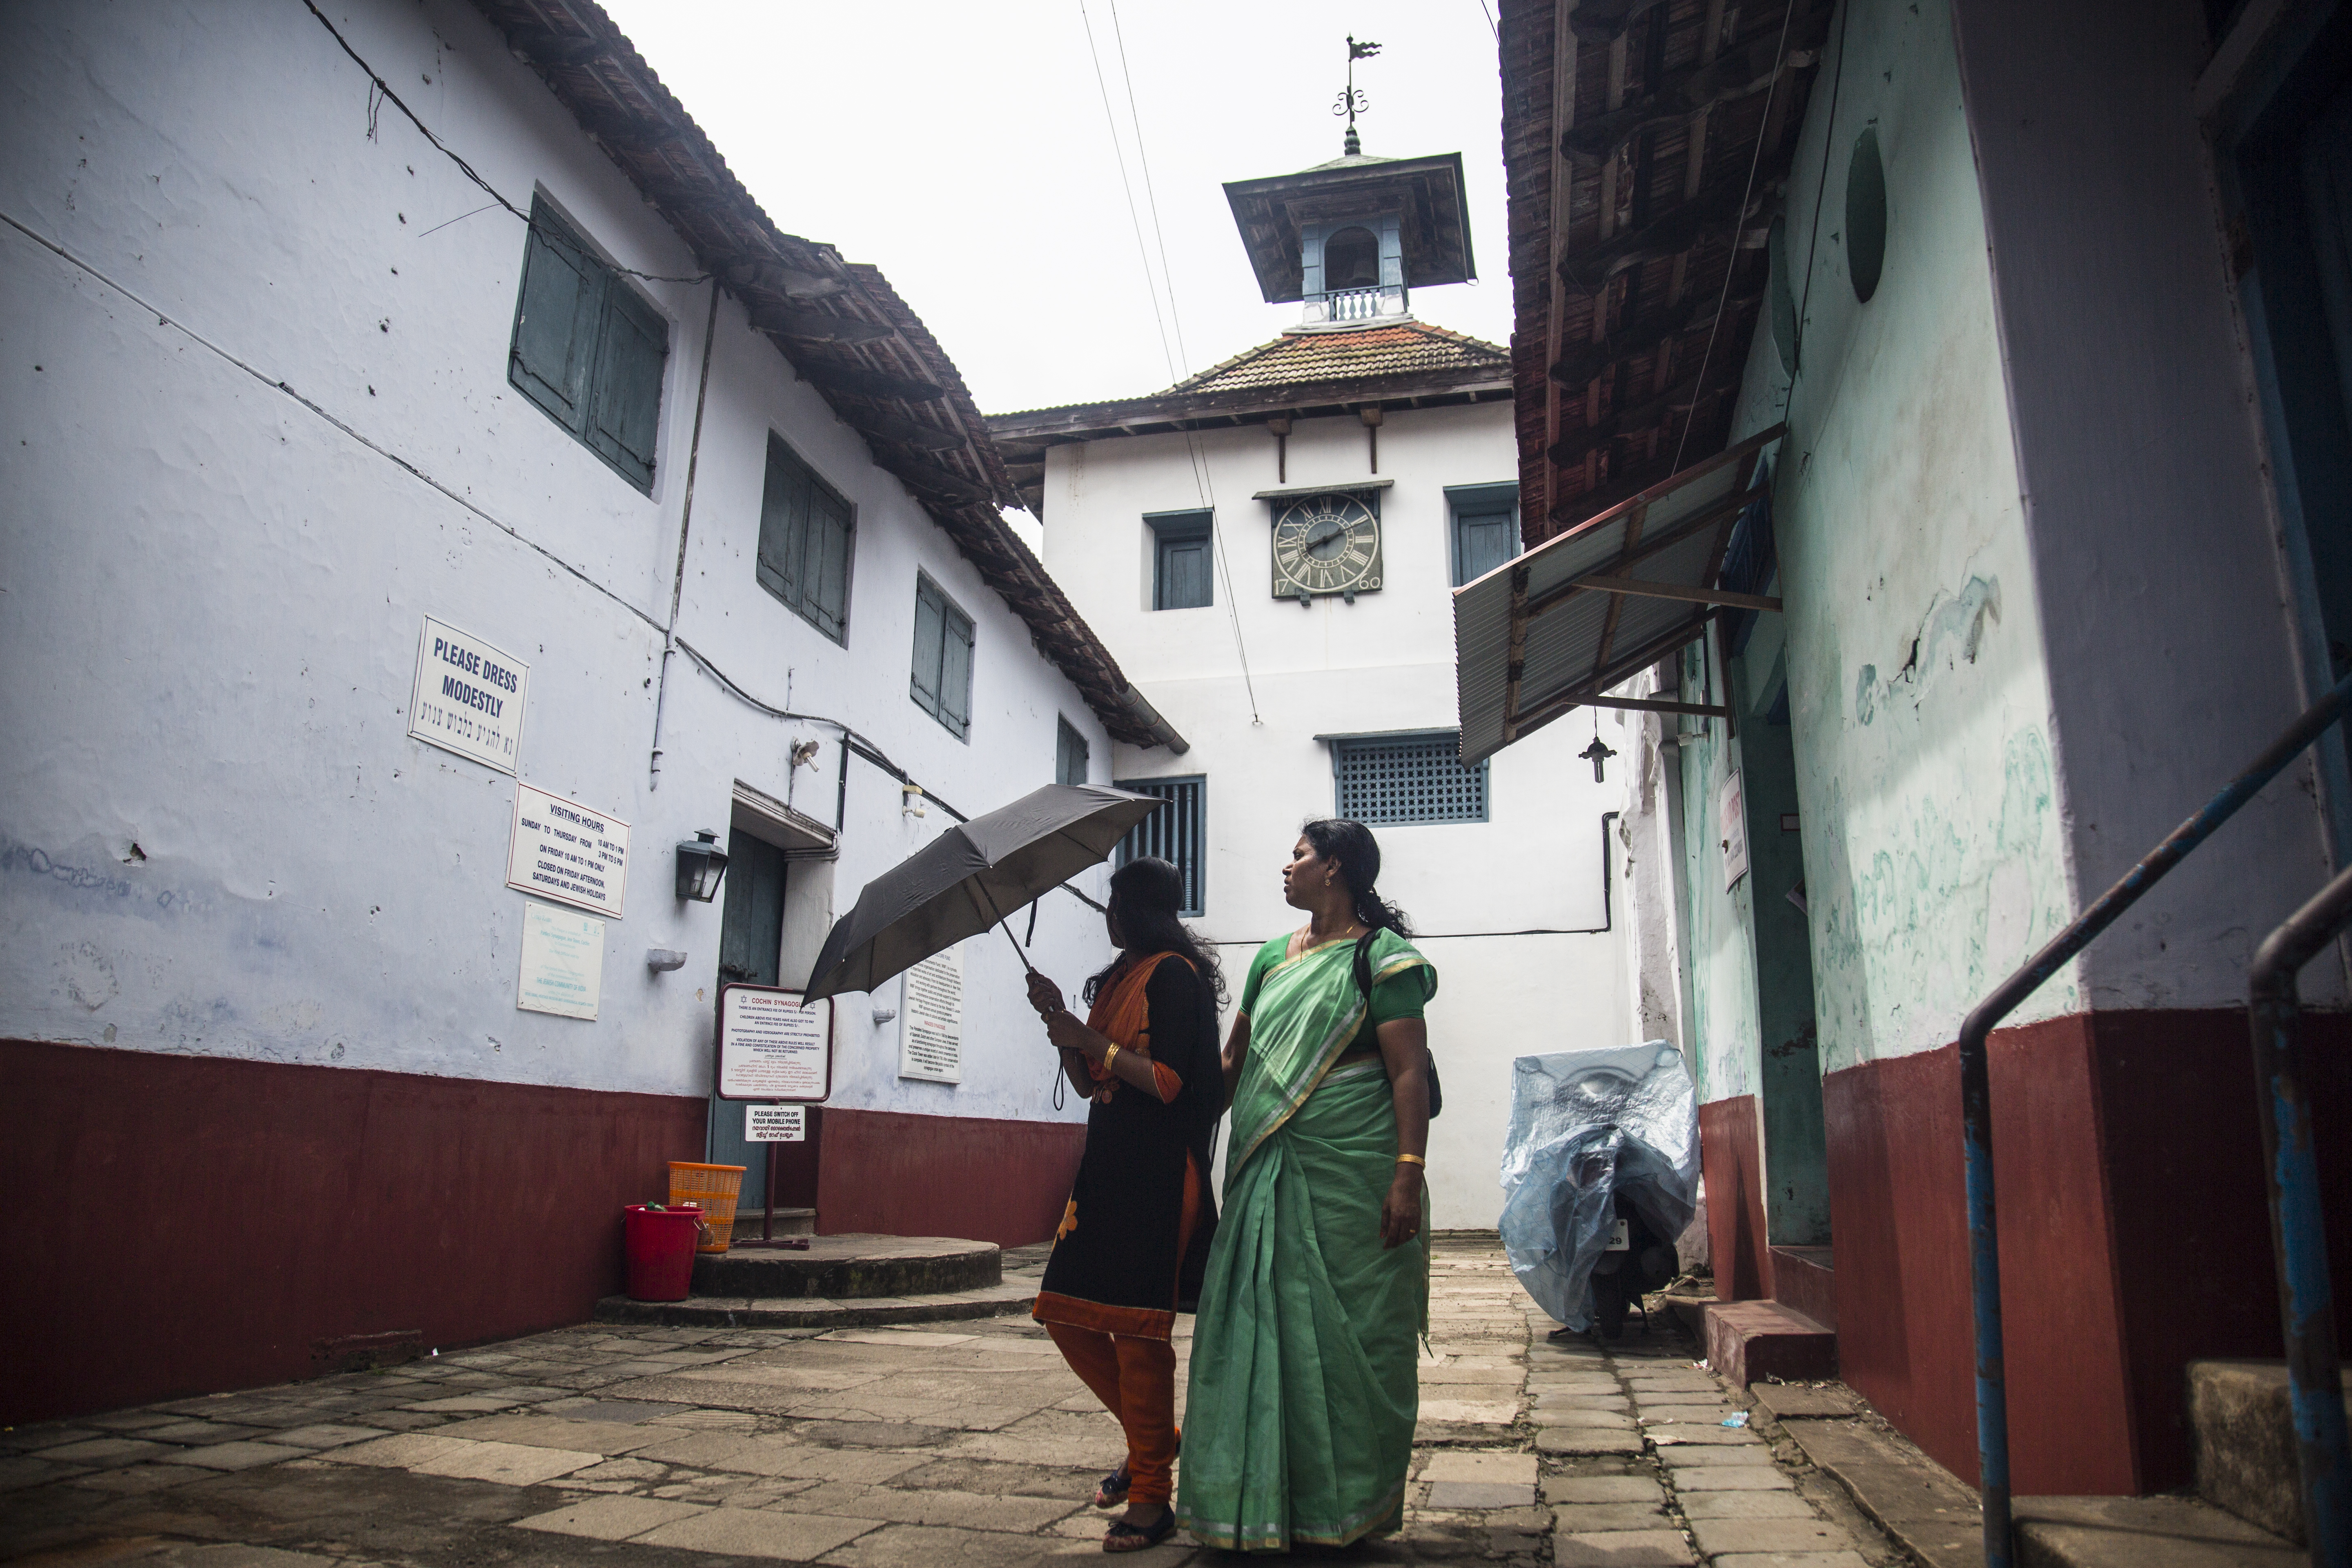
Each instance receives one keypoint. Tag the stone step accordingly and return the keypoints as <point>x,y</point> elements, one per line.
<point>852,1267</point>
<point>2142,1532</point>
<point>789,1222</point>
<point>1010,1299</point>
<point>1936,1520</point>
<point>1802,1280</point>
<point>2244,1434</point>
<point>1749,1342</point>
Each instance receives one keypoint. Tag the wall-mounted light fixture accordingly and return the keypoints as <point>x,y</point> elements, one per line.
<point>700,864</point>
<point>662,959</point>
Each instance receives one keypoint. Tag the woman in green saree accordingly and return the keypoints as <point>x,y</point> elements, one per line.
<point>1304,1385</point>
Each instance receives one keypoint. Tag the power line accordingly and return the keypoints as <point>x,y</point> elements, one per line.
<point>1731,260</point>
<point>1179,359</point>
<point>379,87</point>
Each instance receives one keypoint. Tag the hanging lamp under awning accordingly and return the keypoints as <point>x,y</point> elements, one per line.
<point>1552,629</point>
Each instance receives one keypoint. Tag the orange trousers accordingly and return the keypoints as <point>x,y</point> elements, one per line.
<point>1136,1380</point>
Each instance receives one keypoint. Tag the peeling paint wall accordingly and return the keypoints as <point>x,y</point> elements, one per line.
<point>215,836</point>
<point>1934,860</point>
<point>2166,609</point>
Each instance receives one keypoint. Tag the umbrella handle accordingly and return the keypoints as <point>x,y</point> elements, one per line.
<point>1016,945</point>
<point>981,887</point>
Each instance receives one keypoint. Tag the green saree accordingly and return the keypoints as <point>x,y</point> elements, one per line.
<point>1303,1387</point>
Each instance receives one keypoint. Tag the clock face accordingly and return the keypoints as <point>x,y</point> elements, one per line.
<point>1326,545</point>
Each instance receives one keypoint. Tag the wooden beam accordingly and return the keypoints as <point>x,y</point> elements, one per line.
<point>1652,705</point>
<point>867,383</point>
<point>1600,582</point>
<point>1633,521</point>
<point>816,326</point>
<point>1518,666</point>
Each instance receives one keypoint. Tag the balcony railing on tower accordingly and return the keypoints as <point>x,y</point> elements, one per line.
<point>1355,304</point>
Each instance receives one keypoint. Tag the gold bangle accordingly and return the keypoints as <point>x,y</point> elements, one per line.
<point>1412,1160</point>
<point>1109,1057</point>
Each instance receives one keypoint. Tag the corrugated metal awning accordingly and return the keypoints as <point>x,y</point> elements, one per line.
<point>1555,628</point>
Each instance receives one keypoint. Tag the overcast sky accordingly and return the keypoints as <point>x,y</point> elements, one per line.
<point>964,149</point>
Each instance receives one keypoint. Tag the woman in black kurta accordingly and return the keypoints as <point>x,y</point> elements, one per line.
<point>1128,1253</point>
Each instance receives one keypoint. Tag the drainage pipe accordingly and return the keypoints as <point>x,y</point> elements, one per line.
<point>2298,1232</point>
<point>1976,1094</point>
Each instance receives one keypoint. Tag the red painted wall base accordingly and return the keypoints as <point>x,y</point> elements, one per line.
<point>987,1180</point>
<point>181,1224</point>
<point>2134,1233</point>
<point>1730,1146</point>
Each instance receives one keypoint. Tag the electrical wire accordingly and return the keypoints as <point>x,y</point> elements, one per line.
<point>380,89</point>
<point>859,744</point>
<point>1178,358</point>
<point>1740,220</point>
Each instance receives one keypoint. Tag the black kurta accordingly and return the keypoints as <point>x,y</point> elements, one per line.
<point>1117,1264</point>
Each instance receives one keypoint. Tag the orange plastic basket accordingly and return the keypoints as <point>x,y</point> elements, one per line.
<point>716,1188</point>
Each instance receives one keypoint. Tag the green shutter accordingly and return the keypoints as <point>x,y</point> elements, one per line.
<point>828,570</point>
<point>634,345</point>
<point>1481,544</point>
<point>928,637</point>
<point>773,564</point>
<point>955,674</point>
<point>548,360</point>
<point>1070,753</point>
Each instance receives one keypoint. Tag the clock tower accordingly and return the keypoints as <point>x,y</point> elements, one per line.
<point>1350,240</point>
<point>1274,545</point>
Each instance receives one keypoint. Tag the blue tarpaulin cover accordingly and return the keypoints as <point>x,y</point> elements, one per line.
<point>1586,1125</point>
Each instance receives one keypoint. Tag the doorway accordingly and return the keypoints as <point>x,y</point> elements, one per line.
<point>750,950</point>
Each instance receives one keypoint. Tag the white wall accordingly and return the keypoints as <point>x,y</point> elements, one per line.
<point>213,588</point>
<point>1384,663</point>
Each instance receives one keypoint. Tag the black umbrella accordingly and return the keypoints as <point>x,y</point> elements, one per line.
<point>970,878</point>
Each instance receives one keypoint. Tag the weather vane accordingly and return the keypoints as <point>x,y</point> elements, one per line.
<point>1351,102</point>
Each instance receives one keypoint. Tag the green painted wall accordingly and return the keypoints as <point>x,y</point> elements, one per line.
<point>1918,697</point>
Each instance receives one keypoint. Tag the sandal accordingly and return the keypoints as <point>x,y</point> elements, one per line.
<point>1112,1492</point>
<point>1125,1537</point>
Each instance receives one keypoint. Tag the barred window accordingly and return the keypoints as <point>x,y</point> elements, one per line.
<point>1176,832</point>
<point>1416,777</point>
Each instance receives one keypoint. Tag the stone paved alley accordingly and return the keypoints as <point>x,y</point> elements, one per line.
<point>961,1443</point>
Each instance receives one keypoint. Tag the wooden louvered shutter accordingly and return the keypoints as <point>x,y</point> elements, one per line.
<point>548,361</point>
<point>930,629</point>
<point>633,347</point>
<point>774,564</point>
<point>955,673</point>
<point>827,586</point>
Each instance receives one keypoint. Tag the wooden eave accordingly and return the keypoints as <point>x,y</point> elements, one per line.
<point>1427,192</point>
<point>1629,133</point>
<point>839,324</point>
<point>1021,439</point>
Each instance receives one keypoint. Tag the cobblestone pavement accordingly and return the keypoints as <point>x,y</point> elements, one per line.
<point>959,1444</point>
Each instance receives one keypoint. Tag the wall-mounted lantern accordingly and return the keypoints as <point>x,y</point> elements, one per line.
<point>700,864</point>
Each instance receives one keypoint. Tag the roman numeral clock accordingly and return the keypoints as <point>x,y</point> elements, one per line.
<point>1326,543</point>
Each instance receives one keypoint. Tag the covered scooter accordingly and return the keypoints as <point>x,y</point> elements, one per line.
<point>1599,1175</point>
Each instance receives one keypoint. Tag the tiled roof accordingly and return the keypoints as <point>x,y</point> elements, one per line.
<point>1303,359</point>
<point>840,326</point>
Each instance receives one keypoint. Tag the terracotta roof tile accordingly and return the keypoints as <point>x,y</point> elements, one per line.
<point>1302,359</point>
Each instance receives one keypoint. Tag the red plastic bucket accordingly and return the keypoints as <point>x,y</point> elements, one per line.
<point>659,1245</point>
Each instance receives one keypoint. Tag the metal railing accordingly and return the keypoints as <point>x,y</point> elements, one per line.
<point>1976,1113</point>
<point>2298,1228</point>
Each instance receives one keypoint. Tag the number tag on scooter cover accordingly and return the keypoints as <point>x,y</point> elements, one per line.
<point>1619,1240</point>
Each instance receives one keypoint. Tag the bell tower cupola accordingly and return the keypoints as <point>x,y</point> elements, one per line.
<point>1350,239</point>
